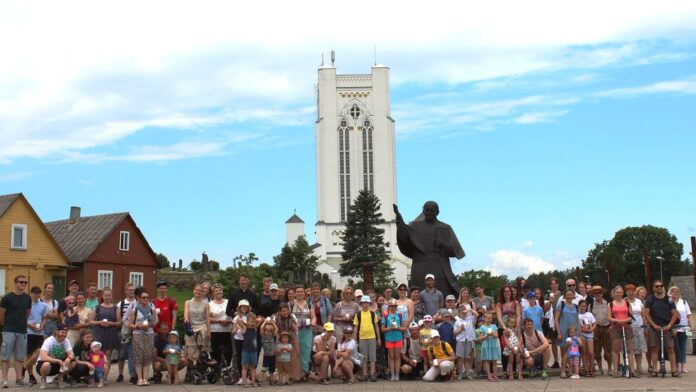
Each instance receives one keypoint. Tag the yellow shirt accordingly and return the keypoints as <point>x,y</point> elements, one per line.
<point>439,353</point>
<point>425,337</point>
<point>367,328</point>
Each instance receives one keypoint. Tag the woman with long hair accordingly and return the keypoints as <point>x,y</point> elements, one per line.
<point>686,322</point>
<point>106,325</point>
<point>142,318</point>
<point>305,320</point>
<point>404,305</point>
<point>506,308</point>
<point>639,344</point>
<point>620,317</point>
<point>197,321</point>
<point>220,325</point>
<point>84,314</point>
<point>286,322</point>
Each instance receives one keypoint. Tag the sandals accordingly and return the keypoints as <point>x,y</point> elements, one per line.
<point>676,374</point>
<point>325,381</point>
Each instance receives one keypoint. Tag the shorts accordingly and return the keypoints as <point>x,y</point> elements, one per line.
<point>250,358</point>
<point>13,345</point>
<point>574,361</point>
<point>269,363</point>
<point>654,338</point>
<point>55,368</point>
<point>424,354</point>
<point>538,361</point>
<point>464,349</point>
<point>615,333</point>
<point>368,348</point>
<point>284,367</point>
<point>398,344</point>
<point>34,343</point>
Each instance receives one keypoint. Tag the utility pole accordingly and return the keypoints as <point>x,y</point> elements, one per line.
<point>646,258</point>
<point>693,258</point>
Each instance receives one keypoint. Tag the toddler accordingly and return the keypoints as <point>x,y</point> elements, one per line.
<point>97,358</point>
<point>573,352</point>
<point>174,353</point>
<point>268,342</point>
<point>283,351</point>
<point>70,316</point>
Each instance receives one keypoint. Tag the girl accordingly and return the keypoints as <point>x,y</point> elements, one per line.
<point>490,346</point>
<point>286,323</point>
<point>425,340</point>
<point>573,345</point>
<point>174,353</point>
<point>587,327</point>
<point>97,358</point>
<point>241,317</point>
<point>512,342</point>
<point>268,342</point>
<point>566,316</point>
<point>347,357</point>
<point>106,324</point>
<point>404,304</point>
<point>393,329</point>
<point>283,353</point>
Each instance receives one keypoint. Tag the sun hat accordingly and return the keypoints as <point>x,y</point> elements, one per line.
<point>434,333</point>
<point>95,343</point>
<point>365,298</point>
<point>402,285</point>
<point>243,303</point>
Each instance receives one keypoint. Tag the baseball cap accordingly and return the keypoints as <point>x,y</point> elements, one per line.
<point>365,298</point>
<point>274,286</point>
<point>434,333</point>
<point>329,327</point>
<point>72,282</point>
<point>450,298</point>
<point>402,285</point>
<point>174,333</point>
<point>413,325</point>
<point>162,283</point>
<point>530,294</point>
<point>61,327</point>
<point>392,302</point>
<point>358,293</point>
<point>348,329</point>
<point>429,276</point>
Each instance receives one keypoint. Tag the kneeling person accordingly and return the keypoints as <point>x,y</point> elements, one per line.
<point>536,351</point>
<point>441,358</point>
<point>56,357</point>
<point>411,360</point>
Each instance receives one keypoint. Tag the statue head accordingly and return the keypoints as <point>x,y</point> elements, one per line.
<point>430,210</point>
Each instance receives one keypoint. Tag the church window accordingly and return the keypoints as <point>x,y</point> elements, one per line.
<point>354,112</point>
<point>368,159</point>
<point>344,167</point>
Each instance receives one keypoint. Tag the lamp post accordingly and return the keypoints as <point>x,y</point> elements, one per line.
<point>660,259</point>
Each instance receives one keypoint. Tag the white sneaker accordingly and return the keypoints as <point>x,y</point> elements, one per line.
<point>575,376</point>
<point>49,379</point>
<point>4,384</point>
<point>240,382</point>
<point>42,385</point>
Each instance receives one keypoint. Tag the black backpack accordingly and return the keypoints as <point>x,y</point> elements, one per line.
<point>372,319</point>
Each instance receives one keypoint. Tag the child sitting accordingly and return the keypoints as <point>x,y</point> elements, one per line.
<point>573,352</point>
<point>347,357</point>
<point>425,333</point>
<point>268,342</point>
<point>513,349</point>
<point>173,355</point>
<point>97,358</point>
<point>283,351</point>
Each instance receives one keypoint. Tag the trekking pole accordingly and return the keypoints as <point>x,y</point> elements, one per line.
<point>663,371</point>
<point>626,368</point>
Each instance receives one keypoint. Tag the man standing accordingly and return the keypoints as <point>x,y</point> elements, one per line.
<point>126,350</point>
<point>602,334</point>
<point>92,299</point>
<point>15,308</point>
<point>35,328</point>
<point>265,295</point>
<point>166,307</point>
<point>570,285</point>
<point>432,298</point>
<point>243,293</point>
<point>661,314</point>
<point>270,306</point>
<point>51,309</point>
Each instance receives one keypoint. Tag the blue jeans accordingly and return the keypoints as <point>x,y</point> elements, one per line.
<point>680,347</point>
<point>126,352</point>
<point>98,374</point>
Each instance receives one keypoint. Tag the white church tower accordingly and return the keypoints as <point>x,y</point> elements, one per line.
<point>355,141</point>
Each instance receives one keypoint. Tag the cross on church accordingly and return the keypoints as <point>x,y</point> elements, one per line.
<point>355,112</point>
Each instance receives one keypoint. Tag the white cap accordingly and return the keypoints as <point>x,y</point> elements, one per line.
<point>429,276</point>
<point>434,333</point>
<point>365,298</point>
<point>274,286</point>
<point>95,343</point>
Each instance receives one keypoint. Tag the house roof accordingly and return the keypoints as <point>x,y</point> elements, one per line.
<point>6,201</point>
<point>79,238</point>
<point>294,219</point>
<point>686,287</point>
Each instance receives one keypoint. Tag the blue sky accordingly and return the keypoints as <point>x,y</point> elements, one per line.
<point>540,130</point>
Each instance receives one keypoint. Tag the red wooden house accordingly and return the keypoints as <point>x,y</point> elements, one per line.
<point>109,250</point>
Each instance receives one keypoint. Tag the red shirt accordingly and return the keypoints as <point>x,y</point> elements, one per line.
<point>165,314</point>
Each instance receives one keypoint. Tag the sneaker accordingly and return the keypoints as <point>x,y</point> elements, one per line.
<point>555,365</point>
<point>20,383</point>
<point>43,383</point>
<point>532,373</point>
<point>240,382</point>
<point>32,380</point>
<point>50,379</point>
<point>133,380</point>
<point>119,378</point>
<point>544,375</point>
<point>575,376</point>
<point>373,378</point>
<point>460,376</point>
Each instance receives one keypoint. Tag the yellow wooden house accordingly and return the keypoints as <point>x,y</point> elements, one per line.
<point>27,248</point>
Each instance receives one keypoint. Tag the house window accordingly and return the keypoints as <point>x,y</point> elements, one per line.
<point>136,278</point>
<point>19,237</point>
<point>105,279</point>
<point>124,242</point>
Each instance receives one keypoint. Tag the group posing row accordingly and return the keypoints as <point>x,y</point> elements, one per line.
<point>301,334</point>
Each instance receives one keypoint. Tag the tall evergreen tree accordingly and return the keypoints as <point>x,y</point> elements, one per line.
<point>364,248</point>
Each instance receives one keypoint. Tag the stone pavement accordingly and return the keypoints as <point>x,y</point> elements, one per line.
<point>600,383</point>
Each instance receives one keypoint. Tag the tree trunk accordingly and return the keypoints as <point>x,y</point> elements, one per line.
<point>368,276</point>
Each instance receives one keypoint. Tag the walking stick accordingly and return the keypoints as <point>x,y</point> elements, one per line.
<point>626,368</point>
<point>663,371</point>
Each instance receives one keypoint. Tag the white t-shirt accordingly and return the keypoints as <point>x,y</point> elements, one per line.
<point>52,346</point>
<point>217,312</point>
<point>467,333</point>
<point>587,319</point>
<point>684,311</point>
<point>576,300</point>
<point>351,346</point>
<point>636,308</point>
<point>524,302</point>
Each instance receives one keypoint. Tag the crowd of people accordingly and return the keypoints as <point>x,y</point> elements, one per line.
<point>283,336</point>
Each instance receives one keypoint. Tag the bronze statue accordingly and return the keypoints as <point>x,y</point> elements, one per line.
<point>429,243</point>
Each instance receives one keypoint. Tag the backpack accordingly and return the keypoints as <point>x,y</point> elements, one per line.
<point>524,339</point>
<point>563,306</point>
<point>372,319</point>
<point>444,349</point>
<point>126,332</point>
<point>398,320</point>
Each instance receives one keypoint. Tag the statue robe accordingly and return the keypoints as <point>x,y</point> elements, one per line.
<point>417,241</point>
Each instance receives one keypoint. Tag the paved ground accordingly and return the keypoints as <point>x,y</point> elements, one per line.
<point>600,383</point>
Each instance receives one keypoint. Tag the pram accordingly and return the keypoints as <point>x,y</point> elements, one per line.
<point>207,367</point>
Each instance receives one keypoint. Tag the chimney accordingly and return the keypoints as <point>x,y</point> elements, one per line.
<point>74,213</point>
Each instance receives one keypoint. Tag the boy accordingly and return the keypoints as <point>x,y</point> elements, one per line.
<point>441,358</point>
<point>249,355</point>
<point>534,312</point>
<point>368,339</point>
<point>425,333</point>
<point>268,342</point>
<point>464,333</point>
<point>411,360</point>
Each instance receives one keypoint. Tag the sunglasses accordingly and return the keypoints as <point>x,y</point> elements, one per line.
<point>402,289</point>
<point>145,297</point>
<point>657,286</point>
<point>22,282</point>
<point>571,285</point>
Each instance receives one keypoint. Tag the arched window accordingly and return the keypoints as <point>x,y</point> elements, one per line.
<point>344,166</point>
<point>368,159</point>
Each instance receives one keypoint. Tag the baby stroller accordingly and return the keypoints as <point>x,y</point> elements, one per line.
<point>204,366</point>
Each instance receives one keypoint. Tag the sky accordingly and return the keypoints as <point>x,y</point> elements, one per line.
<point>540,128</point>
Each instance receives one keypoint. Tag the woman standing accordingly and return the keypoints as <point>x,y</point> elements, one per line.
<point>639,344</point>
<point>220,325</point>
<point>305,320</point>
<point>84,314</point>
<point>197,318</point>
<point>620,317</point>
<point>404,306</point>
<point>344,312</point>
<point>142,318</point>
<point>290,296</point>
<point>465,302</point>
<point>106,324</point>
<point>418,305</point>
<point>506,308</point>
<point>207,291</point>
<point>686,322</point>
<point>642,294</point>
<point>565,316</point>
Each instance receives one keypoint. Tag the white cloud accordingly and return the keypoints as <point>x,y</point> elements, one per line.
<point>528,244</point>
<point>10,177</point>
<point>86,74</point>
<point>666,87</point>
<point>515,263</point>
<point>539,117</point>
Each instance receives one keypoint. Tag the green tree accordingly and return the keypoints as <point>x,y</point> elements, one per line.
<point>242,260</point>
<point>364,248</point>
<point>491,283</point>
<point>162,260</point>
<point>623,256</point>
<point>229,277</point>
<point>297,263</point>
